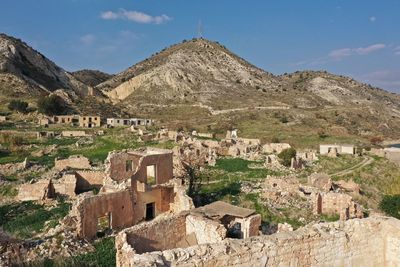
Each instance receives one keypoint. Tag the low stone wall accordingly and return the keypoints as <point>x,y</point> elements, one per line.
<point>358,243</point>
<point>41,190</point>
<point>74,162</point>
<point>160,234</point>
<point>73,134</point>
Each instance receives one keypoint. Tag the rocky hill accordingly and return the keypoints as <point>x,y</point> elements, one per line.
<point>26,72</point>
<point>91,77</point>
<point>200,82</point>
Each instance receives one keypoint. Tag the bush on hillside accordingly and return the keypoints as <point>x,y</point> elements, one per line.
<point>52,105</point>
<point>391,205</point>
<point>286,156</point>
<point>18,105</point>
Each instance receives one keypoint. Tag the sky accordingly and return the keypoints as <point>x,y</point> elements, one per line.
<point>357,38</point>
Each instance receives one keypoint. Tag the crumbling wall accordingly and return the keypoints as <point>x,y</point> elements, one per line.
<point>117,169</point>
<point>73,134</point>
<point>73,162</point>
<point>205,230</point>
<point>162,196</point>
<point>159,234</point>
<point>356,243</point>
<point>87,210</point>
<point>66,185</point>
<point>337,204</point>
<point>88,180</point>
<point>275,147</point>
<point>41,190</point>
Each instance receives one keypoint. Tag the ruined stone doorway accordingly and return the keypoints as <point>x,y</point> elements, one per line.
<point>150,211</point>
<point>104,224</point>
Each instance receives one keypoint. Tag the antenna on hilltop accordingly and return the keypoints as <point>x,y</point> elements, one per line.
<point>200,30</point>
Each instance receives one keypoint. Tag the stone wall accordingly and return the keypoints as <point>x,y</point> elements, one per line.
<point>66,185</point>
<point>332,203</point>
<point>205,230</point>
<point>73,134</point>
<point>88,180</point>
<point>367,242</point>
<point>87,210</point>
<point>159,234</point>
<point>73,162</point>
<point>41,190</point>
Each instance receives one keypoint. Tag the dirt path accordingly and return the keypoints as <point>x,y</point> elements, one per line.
<point>222,111</point>
<point>365,162</point>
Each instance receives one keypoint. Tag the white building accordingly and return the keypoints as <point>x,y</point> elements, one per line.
<point>118,122</point>
<point>340,149</point>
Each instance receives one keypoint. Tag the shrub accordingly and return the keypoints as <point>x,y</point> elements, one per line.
<point>51,105</point>
<point>275,140</point>
<point>286,156</point>
<point>376,140</point>
<point>18,105</point>
<point>391,205</point>
<point>284,119</point>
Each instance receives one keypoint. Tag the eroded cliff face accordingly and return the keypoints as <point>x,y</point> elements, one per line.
<point>22,61</point>
<point>372,241</point>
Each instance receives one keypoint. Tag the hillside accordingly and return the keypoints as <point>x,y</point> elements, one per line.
<point>24,72</point>
<point>201,84</point>
<point>91,77</point>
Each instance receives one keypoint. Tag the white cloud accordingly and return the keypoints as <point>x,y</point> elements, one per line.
<point>135,16</point>
<point>372,18</point>
<point>88,39</point>
<point>388,79</point>
<point>397,51</point>
<point>339,54</point>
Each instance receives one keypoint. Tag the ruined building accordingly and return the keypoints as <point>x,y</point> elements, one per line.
<point>138,186</point>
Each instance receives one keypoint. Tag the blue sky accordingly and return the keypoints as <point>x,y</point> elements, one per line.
<point>358,38</point>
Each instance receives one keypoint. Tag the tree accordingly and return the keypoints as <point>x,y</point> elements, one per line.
<point>286,156</point>
<point>51,105</point>
<point>18,105</point>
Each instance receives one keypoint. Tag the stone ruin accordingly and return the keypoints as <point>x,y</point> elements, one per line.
<point>208,224</point>
<point>137,186</point>
<point>369,242</point>
<point>73,162</point>
<point>325,196</point>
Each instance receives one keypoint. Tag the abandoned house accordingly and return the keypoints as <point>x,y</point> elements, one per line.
<point>45,134</point>
<point>337,149</point>
<point>89,121</point>
<point>137,187</point>
<point>73,120</point>
<point>118,122</point>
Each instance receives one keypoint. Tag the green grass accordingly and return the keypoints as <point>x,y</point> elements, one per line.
<point>329,218</point>
<point>25,219</point>
<point>242,168</point>
<point>391,205</point>
<point>8,190</point>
